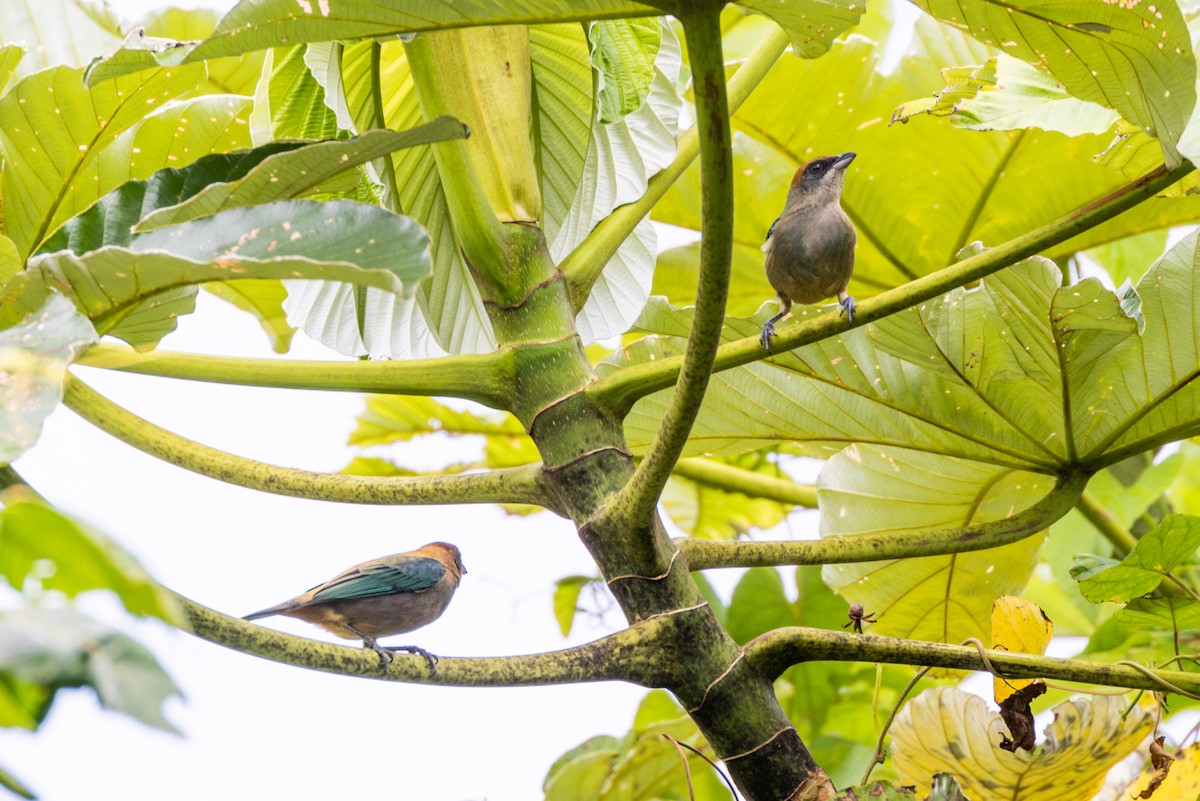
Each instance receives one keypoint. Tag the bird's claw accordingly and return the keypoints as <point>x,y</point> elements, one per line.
<point>430,659</point>
<point>768,331</point>
<point>848,308</point>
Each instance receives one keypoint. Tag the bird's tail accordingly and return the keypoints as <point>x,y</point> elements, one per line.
<point>274,610</point>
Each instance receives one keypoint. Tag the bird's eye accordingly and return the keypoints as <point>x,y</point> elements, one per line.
<point>816,167</point>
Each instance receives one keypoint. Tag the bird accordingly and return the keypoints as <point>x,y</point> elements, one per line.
<point>810,246</point>
<point>389,595</point>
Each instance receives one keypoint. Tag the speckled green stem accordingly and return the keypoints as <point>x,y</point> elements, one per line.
<point>628,655</point>
<point>706,554</point>
<point>776,651</point>
<point>515,485</point>
<point>485,378</point>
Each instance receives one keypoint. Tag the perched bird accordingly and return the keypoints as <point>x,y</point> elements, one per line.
<point>810,247</point>
<point>390,595</point>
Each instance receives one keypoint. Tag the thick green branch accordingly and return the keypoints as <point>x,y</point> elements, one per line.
<point>776,651</point>
<point>583,266</point>
<point>620,390</point>
<point>704,554</point>
<point>485,379</point>
<point>734,479</point>
<point>627,655</point>
<point>637,500</point>
<point>1094,512</point>
<point>516,485</point>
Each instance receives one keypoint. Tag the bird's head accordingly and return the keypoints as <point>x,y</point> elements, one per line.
<point>447,554</point>
<point>820,179</point>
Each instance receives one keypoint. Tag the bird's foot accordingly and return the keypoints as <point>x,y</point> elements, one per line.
<point>767,332</point>
<point>848,307</point>
<point>385,656</point>
<point>430,659</point>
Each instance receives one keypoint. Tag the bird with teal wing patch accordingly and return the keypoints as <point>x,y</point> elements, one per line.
<point>390,595</point>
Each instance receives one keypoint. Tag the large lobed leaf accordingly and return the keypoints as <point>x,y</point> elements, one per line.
<point>947,730</point>
<point>1133,57</point>
<point>66,145</point>
<point>340,241</point>
<point>946,598</point>
<point>915,208</point>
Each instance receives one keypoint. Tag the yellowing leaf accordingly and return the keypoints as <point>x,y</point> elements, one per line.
<point>1182,781</point>
<point>945,730</point>
<point>1018,625</point>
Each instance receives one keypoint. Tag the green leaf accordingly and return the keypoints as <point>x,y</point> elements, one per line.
<point>579,774</point>
<point>38,543</point>
<point>395,418</point>
<point>60,648</point>
<point>621,158</point>
<point>1006,94</point>
<point>812,25</point>
<point>1129,258</point>
<point>298,172</point>
<point>70,32</point>
<point>566,600</point>
<point>264,299</point>
<point>290,104</point>
<point>64,146</point>
<point>233,76</point>
<point>624,58</point>
<point>1128,57</point>
<point>34,355</point>
<point>914,208</point>
<point>111,219</point>
<point>138,52</point>
<point>266,23</point>
<point>339,241</point>
<point>10,58</point>
<point>935,598</point>
<point>1173,614</point>
<point>759,605</point>
<point>1173,543</point>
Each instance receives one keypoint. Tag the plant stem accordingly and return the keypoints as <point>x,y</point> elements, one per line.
<point>734,479</point>
<point>1094,512</point>
<point>617,657</point>
<point>515,485</point>
<point>618,391</point>
<point>583,266</point>
<point>706,554</point>
<point>777,650</point>
<point>485,379</point>
<point>638,499</point>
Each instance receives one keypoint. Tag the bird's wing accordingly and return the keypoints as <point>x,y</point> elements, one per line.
<point>766,245</point>
<point>395,576</point>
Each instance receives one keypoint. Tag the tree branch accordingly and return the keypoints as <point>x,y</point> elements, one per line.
<point>777,650</point>
<point>515,485</point>
<point>637,499</point>
<point>735,479</point>
<point>705,554</point>
<point>617,657</point>
<point>618,391</point>
<point>1094,512</point>
<point>485,379</point>
<point>583,265</point>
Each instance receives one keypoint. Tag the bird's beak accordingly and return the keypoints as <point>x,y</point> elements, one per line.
<point>843,161</point>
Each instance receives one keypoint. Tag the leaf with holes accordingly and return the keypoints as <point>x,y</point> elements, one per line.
<point>946,730</point>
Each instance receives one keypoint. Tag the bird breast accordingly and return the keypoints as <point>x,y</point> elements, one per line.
<point>811,254</point>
